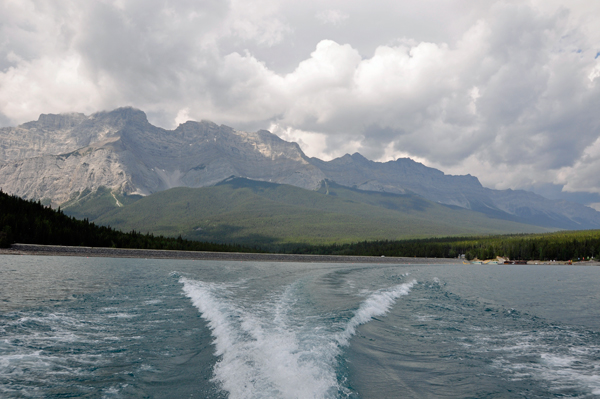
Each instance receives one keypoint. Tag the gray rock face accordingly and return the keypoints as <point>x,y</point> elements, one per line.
<point>59,156</point>
<point>60,134</point>
<point>401,176</point>
<point>406,175</point>
<point>59,177</point>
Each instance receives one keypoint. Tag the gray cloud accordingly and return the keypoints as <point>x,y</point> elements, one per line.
<point>505,90</point>
<point>555,191</point>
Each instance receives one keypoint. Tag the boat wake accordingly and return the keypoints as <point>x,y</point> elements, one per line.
<point>280,346</point>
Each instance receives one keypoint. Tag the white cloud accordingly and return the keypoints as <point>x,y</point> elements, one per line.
<point>257,20</point>
<point>312,143</point>
<point>584,174</point>
<point>505,90</point>
<point>182,116</point>
<point>333,17</point>
<point>47,85</point>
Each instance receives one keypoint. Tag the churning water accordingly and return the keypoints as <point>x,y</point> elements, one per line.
<point>127,328</point>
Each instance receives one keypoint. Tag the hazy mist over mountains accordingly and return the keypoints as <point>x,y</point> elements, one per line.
<point>63,159</point>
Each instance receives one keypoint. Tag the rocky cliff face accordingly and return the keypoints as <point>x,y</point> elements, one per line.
<point>58,157</point>
<point>60,134</point>
<point>400,176</point>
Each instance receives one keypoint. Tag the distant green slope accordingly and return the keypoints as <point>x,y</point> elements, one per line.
<point>260,213</point>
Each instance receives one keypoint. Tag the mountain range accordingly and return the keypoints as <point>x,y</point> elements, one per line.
<point>71,160</point>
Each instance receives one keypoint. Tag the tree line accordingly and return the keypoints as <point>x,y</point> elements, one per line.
<point>570,245</point>
<point>30,222</point>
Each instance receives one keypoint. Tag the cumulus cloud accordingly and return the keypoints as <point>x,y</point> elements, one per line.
<point>505,90</point>
<point>583,174</point>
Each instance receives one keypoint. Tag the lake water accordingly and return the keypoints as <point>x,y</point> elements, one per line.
<point>129,328</point>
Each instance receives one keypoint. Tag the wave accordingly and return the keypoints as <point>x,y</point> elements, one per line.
<point>571,367</point>
<point>377,304</point>
<point>548,358</point>
<point>279,347</point>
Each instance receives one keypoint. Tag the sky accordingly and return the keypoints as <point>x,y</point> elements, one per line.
<point>508,91</point>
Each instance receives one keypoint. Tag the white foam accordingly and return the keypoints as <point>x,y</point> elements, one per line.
<point>9,360</point>
<point>561,367</point>
<point>566,371</point>
<point>122,315</point>
<point>377,304</point>
<point>112,392</point>
<point>256,361</point>
<point>272,348</point>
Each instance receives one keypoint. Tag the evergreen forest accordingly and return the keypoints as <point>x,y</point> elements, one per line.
<point>30,222</point>
<point>564,245</point>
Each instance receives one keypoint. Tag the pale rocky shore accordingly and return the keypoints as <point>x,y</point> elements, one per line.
<point>55,250</point>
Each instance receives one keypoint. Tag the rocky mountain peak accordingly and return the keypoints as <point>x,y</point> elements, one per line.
<point>56,121</point>
<point>357,157</point>
<point>121,150</point>
<point>199,130</point>
<point>121,116</point>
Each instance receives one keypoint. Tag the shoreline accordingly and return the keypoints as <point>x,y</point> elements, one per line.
<point>103,252</point>
<point>56,250</point>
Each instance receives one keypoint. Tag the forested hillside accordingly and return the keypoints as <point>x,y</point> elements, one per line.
<point>33,223</point>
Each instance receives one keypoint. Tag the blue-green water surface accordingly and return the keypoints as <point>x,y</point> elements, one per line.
<point>129,328</point>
